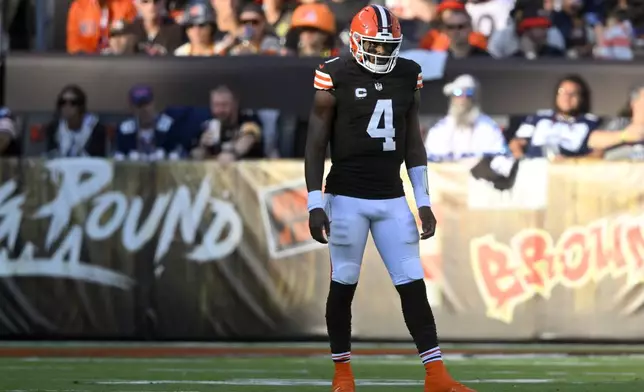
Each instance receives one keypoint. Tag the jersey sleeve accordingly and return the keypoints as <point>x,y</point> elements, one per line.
<point>250,124</point>
<point>323,79</point>
<point>527,127</point>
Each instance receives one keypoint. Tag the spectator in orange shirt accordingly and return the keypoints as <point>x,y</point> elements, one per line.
<point>89,22</point>
<point>437,38</point>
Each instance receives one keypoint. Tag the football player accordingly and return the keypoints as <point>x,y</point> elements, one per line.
<point>366,106</point>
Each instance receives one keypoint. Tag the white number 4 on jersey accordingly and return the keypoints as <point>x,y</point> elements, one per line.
<point>384,108</point>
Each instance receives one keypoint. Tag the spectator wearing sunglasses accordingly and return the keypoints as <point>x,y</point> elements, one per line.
<point>457,26</point>
<point>465,132</point>
<point>252,37</point>
<point>199,22</point>
<point>147,135</point>
<point>9,134</point>
<point>74,132</point>
<point>454,21</point>
<point>153,33</point>
<point>563,131</point>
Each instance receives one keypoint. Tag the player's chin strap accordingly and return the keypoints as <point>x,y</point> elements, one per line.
<point>418,178</point>
<point>315,200</point>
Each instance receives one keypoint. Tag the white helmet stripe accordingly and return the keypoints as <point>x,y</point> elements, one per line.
<point>384,21</point>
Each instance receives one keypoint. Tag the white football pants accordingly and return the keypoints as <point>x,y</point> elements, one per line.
<point>394,232</point>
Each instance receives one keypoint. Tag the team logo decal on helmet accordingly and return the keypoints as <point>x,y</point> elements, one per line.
<point>375,38</point>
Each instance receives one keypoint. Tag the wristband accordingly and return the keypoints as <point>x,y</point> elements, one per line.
<point>418,178</point>
<point>315,200</point>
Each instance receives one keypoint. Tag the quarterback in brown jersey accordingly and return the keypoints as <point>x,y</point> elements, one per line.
<point>366,106</point>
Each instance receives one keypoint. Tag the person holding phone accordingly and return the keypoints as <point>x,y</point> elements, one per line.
<point>252,37</point>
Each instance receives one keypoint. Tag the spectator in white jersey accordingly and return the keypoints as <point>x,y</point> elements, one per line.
<point>465,132</point>
<point>489,16</point>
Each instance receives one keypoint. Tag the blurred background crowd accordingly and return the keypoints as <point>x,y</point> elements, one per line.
<point>603,29</point>
<point>578,29</point>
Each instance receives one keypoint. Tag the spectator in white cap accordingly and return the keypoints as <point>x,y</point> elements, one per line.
<point>465,132</point>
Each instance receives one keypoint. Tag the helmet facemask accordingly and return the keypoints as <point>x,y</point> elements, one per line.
<point>376,54</point>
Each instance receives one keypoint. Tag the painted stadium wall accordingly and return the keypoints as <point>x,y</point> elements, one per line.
<point>510,87</point>
<point>93,249</point>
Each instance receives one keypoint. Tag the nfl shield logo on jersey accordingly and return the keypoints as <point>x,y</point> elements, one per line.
<point>378,86</point>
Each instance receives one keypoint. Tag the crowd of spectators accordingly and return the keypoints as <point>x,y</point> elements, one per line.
<point>567,130</point>
<point>610,29</point>
<point>221,130</point>
<point>224,131</point>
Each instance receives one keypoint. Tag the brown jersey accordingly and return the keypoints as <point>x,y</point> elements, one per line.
<point>369,130</point>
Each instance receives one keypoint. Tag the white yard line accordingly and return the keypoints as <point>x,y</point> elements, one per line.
<point>306,382</point>
<point>118,360</point>
<point>510,381</point>
<point>37,368</point>
<point>49,390</point>
<point>213,370</point>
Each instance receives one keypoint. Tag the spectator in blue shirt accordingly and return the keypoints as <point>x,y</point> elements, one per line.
<point>146,136</point>
<point>576,28</point>
<point>562,131</point>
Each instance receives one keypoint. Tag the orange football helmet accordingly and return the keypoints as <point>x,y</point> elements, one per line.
<point>375,38</point>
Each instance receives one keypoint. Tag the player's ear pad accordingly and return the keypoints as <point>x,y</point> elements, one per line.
<point>484,171</point>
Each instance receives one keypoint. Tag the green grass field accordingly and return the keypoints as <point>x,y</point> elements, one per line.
<point>485,373</point>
